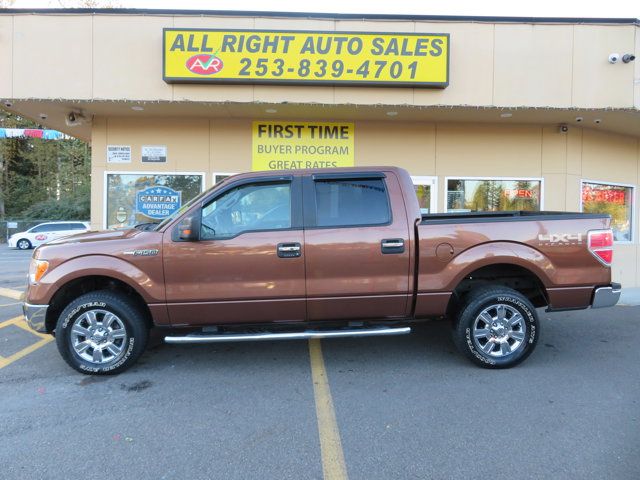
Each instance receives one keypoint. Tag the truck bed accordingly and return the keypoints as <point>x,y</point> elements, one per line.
<point>548,247</point>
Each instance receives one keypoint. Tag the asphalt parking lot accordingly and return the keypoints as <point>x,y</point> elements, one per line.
<point>396,407</point>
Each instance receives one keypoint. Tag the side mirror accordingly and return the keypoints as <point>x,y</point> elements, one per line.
<point>189,229</point>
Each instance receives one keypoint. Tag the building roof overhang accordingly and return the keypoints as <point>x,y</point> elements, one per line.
<point>322,15</point>
<point>54,114</point>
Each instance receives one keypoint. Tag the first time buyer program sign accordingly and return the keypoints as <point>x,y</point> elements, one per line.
<point>294,145</point>
<point>301,57</point>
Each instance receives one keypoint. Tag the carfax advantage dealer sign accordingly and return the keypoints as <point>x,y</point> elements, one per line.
<point>296,57</point>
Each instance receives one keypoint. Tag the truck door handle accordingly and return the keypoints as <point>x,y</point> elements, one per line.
<point>288,250</point>
<point>392,245</point>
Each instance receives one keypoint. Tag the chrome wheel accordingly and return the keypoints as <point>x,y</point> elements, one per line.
<point>24,244</point>
<point>98,337</point>
<point>499,330</point>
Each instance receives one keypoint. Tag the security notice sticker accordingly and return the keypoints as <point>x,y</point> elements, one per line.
<point>118,153</point>
<point>293,145</point>
<point>337,58</point>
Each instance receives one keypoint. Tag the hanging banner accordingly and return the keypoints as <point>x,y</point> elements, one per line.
<point>286,57</point>
<point>32,133</point>
<point>295,145</point>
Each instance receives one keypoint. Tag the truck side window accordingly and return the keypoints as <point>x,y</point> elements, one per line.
<point>351,202</point>
<point>256,206</point>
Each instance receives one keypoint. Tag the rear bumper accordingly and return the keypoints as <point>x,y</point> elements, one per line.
<point>606,296</point>
<point>36,316</point>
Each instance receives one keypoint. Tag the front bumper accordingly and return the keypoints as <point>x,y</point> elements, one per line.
<point>12,242</point>
<point>36,316</point>
<point>606,296</point>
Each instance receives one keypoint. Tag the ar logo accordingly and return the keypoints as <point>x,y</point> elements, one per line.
<point>204,64</point>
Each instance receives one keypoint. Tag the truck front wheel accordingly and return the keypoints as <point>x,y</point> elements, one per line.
<point>101,333</point>
<point>496,327</point>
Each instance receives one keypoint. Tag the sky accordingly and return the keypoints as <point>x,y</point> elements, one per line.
<point>541,8</point>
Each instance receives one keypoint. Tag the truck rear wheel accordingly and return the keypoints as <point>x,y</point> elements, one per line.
<point>496,327</point>
<point>101,333</point>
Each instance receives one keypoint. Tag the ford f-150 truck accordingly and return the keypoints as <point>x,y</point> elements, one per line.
<point>317,254</point>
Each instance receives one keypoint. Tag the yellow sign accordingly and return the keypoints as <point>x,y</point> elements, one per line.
<point>293,145</point>
<point>338,58</point>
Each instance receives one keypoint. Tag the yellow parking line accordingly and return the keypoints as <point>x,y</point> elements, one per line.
<point>11,293</point>
<point>333,464</point>
<point>11,321</point>
<point>20,322</point>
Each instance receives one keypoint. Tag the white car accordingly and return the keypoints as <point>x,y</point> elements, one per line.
<point>45,232</point>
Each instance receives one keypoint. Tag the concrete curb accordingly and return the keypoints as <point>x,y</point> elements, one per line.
<point>630,297</point>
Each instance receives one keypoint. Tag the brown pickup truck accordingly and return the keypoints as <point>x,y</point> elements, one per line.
<point>317,254</point>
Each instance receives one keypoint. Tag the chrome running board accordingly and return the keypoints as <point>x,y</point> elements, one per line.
<point>254,337</point>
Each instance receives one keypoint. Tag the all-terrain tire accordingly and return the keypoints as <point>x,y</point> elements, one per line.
<point>496,327</point>
<point>101,333</point>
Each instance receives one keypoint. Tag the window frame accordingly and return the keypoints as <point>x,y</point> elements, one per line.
<point>196,209</point>
<point>507,179</point>
<point>203,177</point>
<point>633,205</point>
<point>310,206</point>
<point>431,181</point>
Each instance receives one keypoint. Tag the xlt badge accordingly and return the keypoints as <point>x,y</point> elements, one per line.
<point>142,253</point>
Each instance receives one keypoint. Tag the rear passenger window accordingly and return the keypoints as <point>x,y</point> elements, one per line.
<point>341,203</point>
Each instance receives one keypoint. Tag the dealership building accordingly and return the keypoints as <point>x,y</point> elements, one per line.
<point>486,113</point>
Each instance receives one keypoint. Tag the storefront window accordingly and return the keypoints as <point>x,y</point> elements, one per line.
<point>134,198</point>
<point>464,195</point>
<point>426,192</point>
<point>616,200</point>
<point>219,177</point>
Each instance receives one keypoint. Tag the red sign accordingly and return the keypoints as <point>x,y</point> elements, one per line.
<point>204,64</point>
<point>518,193</point>
<point>603,194</point>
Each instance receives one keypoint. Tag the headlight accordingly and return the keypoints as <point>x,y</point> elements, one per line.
<point>37,269</point>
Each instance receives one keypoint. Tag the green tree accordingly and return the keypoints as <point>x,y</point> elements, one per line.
<point>43,179</point>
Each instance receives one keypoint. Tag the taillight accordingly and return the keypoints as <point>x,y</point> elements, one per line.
<point>600,244</point>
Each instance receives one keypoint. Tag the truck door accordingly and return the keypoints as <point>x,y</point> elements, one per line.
<point>248,265</point>
<point>357,251</point>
